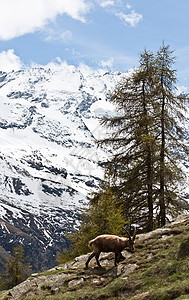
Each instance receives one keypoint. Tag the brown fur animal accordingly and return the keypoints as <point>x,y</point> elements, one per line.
<point>111,243</point>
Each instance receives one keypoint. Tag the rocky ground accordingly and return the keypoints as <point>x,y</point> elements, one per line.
<point>159,269</point>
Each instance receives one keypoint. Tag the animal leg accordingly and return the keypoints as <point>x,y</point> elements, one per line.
<point>121,257</point>
<point>115,262</point>
<point>88,260</point>
<point>118,257</point>
<point>97,256</point>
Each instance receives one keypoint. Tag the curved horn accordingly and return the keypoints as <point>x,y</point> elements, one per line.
<point>134,233</point>
<point>128,234</point>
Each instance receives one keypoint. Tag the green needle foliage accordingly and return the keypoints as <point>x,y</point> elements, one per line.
<point>16,269</point>
<point>146,138</point>
<point>102,216</point>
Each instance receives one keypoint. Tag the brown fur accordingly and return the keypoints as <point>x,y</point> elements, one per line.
<point>110,243</point>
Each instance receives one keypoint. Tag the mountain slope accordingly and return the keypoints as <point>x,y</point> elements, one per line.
<point>158,269</point>
<point>48,157</point>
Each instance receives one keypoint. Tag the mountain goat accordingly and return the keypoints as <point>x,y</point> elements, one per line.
<point>111,243</point>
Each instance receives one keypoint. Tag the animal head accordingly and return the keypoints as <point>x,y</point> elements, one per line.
<point>130,244</point>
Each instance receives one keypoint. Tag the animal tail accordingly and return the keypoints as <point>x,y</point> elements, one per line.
<point>90,243</point>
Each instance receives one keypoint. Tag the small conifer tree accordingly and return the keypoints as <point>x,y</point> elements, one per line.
<point>102,216</point>
<point>16,269</point>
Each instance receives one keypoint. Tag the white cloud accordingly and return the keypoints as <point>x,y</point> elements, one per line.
<point>10,61</point>
<point>117,8</point>
<point>182,89</point>
<point>64,36</point>
<point>108,63</point>
<point>105,3</point>
<point>58,59</point>
<point>132,19</point>
<point>26,16</point>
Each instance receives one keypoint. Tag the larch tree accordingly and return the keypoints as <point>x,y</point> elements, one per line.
<point>170,114</point>
<point>133,141</point>
<point>145,168</point>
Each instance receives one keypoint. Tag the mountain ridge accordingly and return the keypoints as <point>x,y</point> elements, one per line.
<point>48,157</point>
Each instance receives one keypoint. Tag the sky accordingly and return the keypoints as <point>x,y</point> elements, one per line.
<point>108,34</point>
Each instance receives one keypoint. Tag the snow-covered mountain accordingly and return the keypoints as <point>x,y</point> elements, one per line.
<point>48,155</point>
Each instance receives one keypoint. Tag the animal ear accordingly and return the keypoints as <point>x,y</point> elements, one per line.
<point>134,234</point>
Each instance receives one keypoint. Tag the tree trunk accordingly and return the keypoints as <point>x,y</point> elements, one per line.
<point>150,194</point>
<point>162,167</point>
<point>149,169</point>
